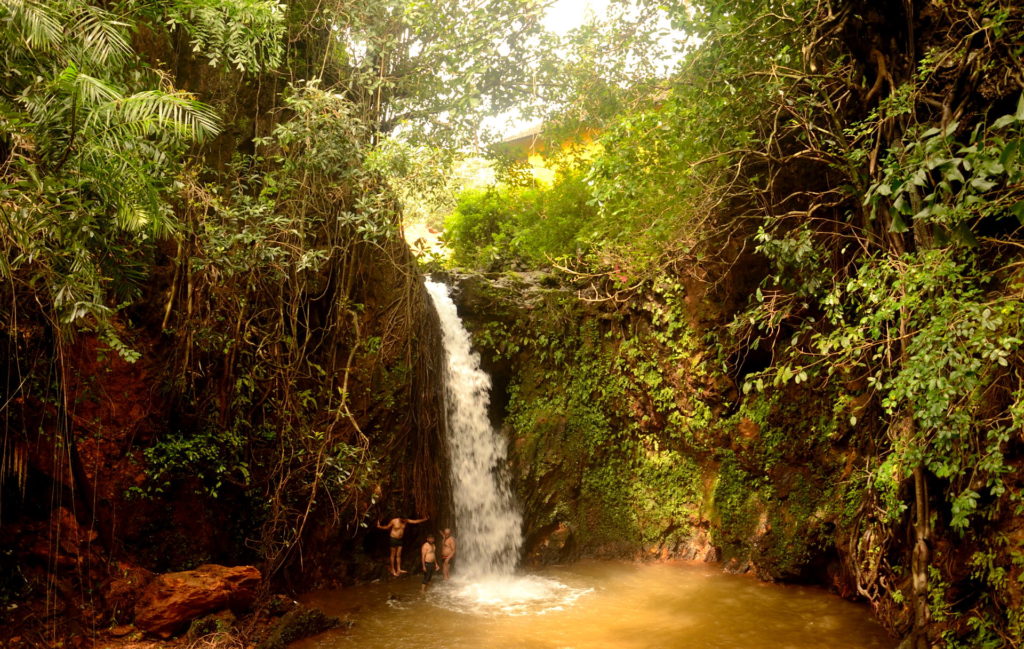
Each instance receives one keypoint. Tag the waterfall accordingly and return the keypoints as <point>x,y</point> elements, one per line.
<point>488,525</point>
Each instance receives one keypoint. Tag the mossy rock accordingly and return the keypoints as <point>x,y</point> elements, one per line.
<point>300,622</point>
<point>279,605</point>
<point>222,622</point>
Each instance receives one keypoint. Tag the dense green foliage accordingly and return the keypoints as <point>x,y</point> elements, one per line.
<point>207,308</point>
<point>837,189</point>
<point>525,225</point>
<point>577,394</point>
<point>91,140</point>
<point>783,313</point>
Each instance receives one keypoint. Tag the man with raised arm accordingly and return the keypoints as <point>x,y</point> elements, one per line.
<point>397,527</point>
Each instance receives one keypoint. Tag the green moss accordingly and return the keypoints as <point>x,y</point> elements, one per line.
<point>298,623</point>
<point>666,494</point>
<point>613,418</point>
<point>220,623</point>
<point>595,412</point>
<point>736,507</point>
<point>795,529</point>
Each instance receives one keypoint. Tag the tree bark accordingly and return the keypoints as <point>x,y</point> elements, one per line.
<point>919,558</point>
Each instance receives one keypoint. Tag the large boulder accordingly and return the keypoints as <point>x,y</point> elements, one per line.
<point>171,601</point>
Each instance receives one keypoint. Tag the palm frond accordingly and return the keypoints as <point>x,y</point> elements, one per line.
<point>94,91</point>
<point>87,90</point>
<point>100,36</point>
<point>38,24</point>
<point>147,113</point>
<point>133,217</point>
<point>123,179</point>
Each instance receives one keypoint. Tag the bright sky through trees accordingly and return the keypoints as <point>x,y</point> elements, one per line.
<point>569,14</point>
<point>564,16</point>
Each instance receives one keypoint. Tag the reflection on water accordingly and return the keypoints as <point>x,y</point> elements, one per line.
<point>599,605</point>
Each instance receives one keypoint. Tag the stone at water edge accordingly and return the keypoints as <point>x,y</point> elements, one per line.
<point>298,623</point>
<point>121,631</point>
<point>172,600</point>
<point>219,622</point>
<point>550,544</point>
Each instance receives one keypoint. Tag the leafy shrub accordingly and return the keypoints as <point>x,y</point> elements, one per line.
<point>501,226</point>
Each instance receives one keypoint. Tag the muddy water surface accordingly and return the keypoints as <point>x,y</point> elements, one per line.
<point>598,605</point>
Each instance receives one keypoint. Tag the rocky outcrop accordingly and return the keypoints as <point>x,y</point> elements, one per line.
<point>62,542</point>
<point>171,601</point>
<point>699,546</point>
<point>550,544</point>
<point>626,443</point>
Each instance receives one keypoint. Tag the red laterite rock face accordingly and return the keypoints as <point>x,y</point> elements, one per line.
<point>174,599</point>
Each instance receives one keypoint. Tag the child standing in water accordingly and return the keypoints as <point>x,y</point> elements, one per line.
<point>428,558</point>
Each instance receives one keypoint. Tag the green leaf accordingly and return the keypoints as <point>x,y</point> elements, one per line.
<point>953,173</point>
<point>1004,121</point>
<point>1010,151</point>
<point>901,205</point>
<point>982,185</point>
<point>965,236</point>
<point>1018,210</point>
<point>898,225</point>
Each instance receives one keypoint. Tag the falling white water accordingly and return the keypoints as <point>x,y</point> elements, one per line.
<point>487,522</point>
<point>488,525</point>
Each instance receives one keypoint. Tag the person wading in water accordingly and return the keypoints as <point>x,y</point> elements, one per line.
<point>428,558</point>
<point>397,527</point>
<point>447,551</point>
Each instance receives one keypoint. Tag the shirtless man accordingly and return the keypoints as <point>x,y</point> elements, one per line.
<point>397,527</point>
<point>447,551</point>
<point>428,558</point>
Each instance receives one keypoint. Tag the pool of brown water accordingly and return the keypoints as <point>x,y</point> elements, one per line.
<point>598,605</point>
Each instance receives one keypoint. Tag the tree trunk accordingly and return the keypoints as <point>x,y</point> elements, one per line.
<point>919,558</point>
